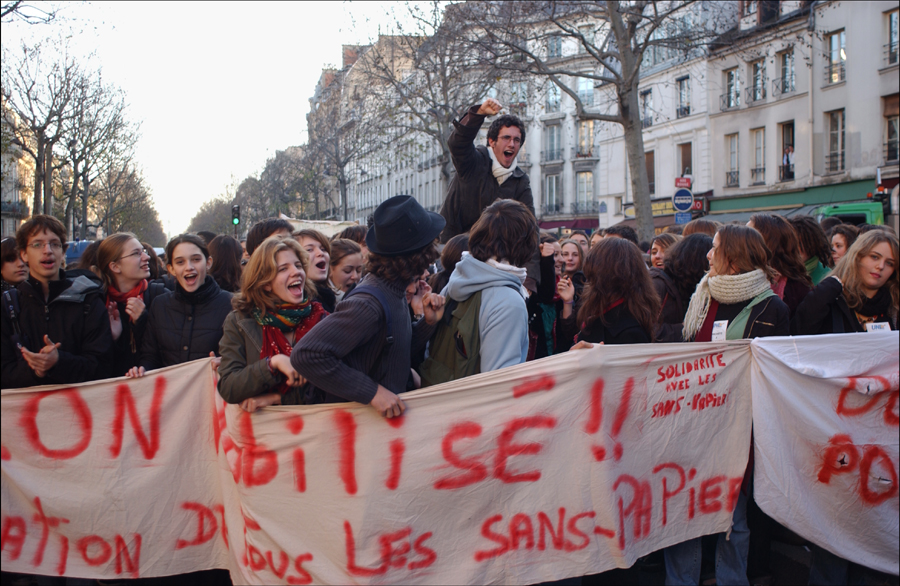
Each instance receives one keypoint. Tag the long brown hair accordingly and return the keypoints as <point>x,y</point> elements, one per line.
<point>226,255</point>
<point>782,242</point>
<point>261,270</point>
<point>744,248</point>
<point>614,269</point>
<point>847,269</point>
<point>110,250</point>
<point>341,247</point>
<point>506,231</point>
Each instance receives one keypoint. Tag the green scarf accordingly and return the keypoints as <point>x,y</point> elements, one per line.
<point>286,316</point>
<point>816,270</point>
<point>737,326</point>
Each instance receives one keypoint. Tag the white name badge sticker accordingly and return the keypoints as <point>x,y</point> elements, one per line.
<point>876,327</point>
<point>719,330</point>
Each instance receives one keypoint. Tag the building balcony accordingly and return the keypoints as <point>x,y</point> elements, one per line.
<point>891,152</point>
<point>756,93</point>
<point>782,86</point>
<point>890,54</point>
<point>732,179</point>
<point>730,101</point>
<point>552,156</point>
<point>683,111</point>
<point>17,209</point>
<point>834,162</point>
<point>585,207</point>
<point>835,73</point>
<point>758,176</point>
<point>785,172</point>
<point>585,152</point>
<point>551,209</point>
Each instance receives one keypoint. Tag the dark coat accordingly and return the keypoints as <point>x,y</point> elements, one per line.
<point>620,328</point>
<point>769,317</point>
<point>825,311</point>
<point>672,306</point>
<point>474,186</point>
<point>326,297</point>
<point>184,327</point>
<point>128,347</point>
<point>74,316</point>
<point>794,293</point>
<point>541,312</point>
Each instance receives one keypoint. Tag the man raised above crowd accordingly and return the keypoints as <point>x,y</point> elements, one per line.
<point>484,174</point>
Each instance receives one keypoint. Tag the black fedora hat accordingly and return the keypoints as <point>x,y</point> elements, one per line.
<point>402,226</point>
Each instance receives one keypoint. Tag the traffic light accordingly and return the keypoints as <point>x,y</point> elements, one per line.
<point>235,214</point>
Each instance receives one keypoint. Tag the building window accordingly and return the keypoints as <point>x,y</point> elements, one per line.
<point>749,7</point>
<point>684,96</point>
<point>785,83</point>
<point>758,172</point>
<point>732,177</point>
<point>585,138</point>
<point>552,203</point>
<point>890,50</point>
<point>836,56</point>
<point>757,89</point>
<point>554,144</point>
<point>646,108</point>
<point>685,164</point>
<point>587,37</point>
<point>553,98</point>
<point>834,161</point>
<point>586,91</point>
<point>518,93</point>
<point>732,96</point>
<point>786,169</point>
<point>584,193</point>
<point>650,161</point>
<point>892,147</point>
<point>554,46</point>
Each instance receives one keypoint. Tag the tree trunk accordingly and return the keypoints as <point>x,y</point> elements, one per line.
<point>84,206</point>
<point>48,180</point>
<point>38,176</point>
<point>70,204</point>
<point>637,167</point>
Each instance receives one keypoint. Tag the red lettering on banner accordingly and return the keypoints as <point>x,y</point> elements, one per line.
<point>218,421</point>
<point>667,407</point>
<point>710,492</point>
<point>283,561</point>
<point>221,510</point>
<point>520,533</point>
<point>83,420</point>
<point>46,523</point>
<point>572,526</point>
<point>734,491</point>
<point>544,382</point>
<point>12,536</point>
<point>667,494</point>
<point>304,576</point>
<point>558,536</point>
<point>682,369</point>
<point>640,507</point>
<point>295,425</point>
<point>840,457</point>
<point>520,527</point>
<point>4,453</point>
<point>874,497</point>
<point>595,417</point>
<point>863,403</point>
<point>395,422</point>
<point>506,448</point>
<point>125,402</point>
<point>621,414</point>
<point>132,565</point>
<point>394,549</point>
<point>63,555</point>
<point>347,432</point>
<point>206,525</point>
<point>255,559</point>
<point>498,538</point>
<point>891,413</point>
<point>397,448</point>
<point>84,544</point>
<point>252,453</point>
<point>476,470</point>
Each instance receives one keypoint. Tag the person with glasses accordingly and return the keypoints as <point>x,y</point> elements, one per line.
<point>124,266</point>
<point>54,328</point>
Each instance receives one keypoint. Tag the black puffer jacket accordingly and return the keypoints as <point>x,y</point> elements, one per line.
<point>185,326</point>
<point>74,316</point>
<point>825,311</point>
<point>620,328</point>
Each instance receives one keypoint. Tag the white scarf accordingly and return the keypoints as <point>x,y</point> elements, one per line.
<point>500,172</point>
<point>725,289</point>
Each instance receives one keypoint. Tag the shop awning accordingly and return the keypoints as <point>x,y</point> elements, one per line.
<point>820,195</point>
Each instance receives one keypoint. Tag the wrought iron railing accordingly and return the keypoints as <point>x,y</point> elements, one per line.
<point>785,172</point>
<point>758,176</point>
<point>835,73</point>
<point>551,155</point>
<point>551,208</point>
<point>891,55</point>
<point>891,151</point>
<point>683,111</point>
<point>732,178</point>
<point>584,152</point>
<point>18,208</point>
<point>729,101</point>
<point>783,85</point>
<point>756,93</point>
<point>834,162</point>
<point>589,207</point>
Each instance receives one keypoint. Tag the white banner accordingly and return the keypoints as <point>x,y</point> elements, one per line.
<point>566,466</point>
<point>825,422</point>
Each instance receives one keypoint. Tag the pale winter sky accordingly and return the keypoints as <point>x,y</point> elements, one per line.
<point>219,87</point>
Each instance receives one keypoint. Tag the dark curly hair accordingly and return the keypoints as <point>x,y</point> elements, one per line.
<point>263,229</point>
<point>813,241</point>
<point>505,121</point>
<point>614,270</point>
<point>506,231</point>
<point>781,240</point>
<point>686,263</point>
<point>626,232</point>
<point>404,269</point>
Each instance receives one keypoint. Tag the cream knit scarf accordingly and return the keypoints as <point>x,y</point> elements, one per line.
<point>500,172</point>
<point>726,289</point>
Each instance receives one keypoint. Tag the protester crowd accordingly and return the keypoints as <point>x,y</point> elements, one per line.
<point>296,317</point>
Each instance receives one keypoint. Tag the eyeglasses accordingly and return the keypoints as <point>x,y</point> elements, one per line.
<point>138,253</point>
<point>55,245</point>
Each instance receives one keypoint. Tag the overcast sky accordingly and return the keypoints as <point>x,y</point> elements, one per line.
<point>219,87</point>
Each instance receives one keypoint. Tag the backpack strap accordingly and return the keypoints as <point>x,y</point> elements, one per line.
<point>379,295</point>
<point>11,306</point>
